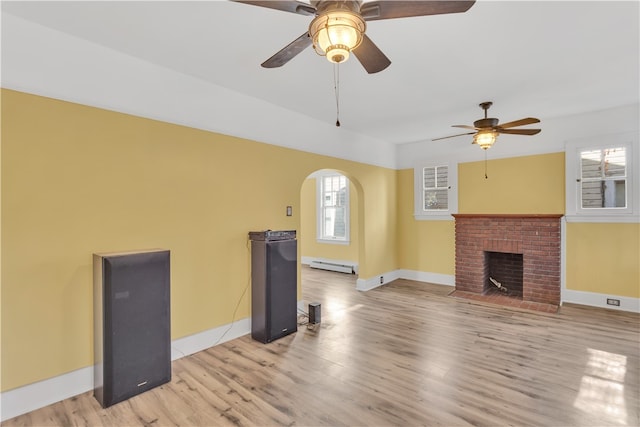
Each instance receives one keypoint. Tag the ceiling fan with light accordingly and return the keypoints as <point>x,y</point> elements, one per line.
<point>339,26</point>
<point>486,130</point>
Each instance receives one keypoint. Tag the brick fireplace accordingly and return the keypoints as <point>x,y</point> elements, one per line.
<point>520,252</point>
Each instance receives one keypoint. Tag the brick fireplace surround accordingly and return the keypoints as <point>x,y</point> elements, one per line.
<point>536,237</point>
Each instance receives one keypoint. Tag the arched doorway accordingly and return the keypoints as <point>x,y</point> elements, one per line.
<point>331,247</point>
<point>341,258</point>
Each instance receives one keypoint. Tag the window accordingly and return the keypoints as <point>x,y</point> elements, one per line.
<point>333,208</point>
<point>435,188</point>
<point>601,179</point>
<point>435,195</point>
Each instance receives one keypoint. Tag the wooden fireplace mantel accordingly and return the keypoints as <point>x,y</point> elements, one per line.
<point>507,215</point>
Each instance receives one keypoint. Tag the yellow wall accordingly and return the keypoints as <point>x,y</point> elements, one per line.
<point>604,258</point>
<point>78,180</point>
<point>379,247</point>
<point>601,258</point>
<point>310,246</point>
<point>522,185</point>
<point>530,184</point>
<point>425,246</point>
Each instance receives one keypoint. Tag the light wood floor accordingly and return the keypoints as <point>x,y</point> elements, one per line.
<point>403,354</point>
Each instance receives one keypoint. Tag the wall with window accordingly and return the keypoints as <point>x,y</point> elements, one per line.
<point>601,257</point>
<point>78,180</point>
<point>310,246</point>
<point>424,245</point>
<point>530,184</point>
<point>602,246</point>
<point>602,211</point>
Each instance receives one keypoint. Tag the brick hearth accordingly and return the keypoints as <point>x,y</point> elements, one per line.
<point>536,237</point>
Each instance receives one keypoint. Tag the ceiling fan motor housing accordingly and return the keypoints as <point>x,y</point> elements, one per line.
<point>486,123</point>
<point>323,6</point>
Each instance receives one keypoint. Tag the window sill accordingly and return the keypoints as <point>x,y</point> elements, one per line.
<point>334,241</point>
<point>433,217</point>
<point>604,218</point>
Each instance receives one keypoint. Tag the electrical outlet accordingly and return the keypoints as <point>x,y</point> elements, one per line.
<point>381,280</point>
<point>612,301</point>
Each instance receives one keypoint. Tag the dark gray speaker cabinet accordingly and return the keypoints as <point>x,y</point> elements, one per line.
<point>274,279</point>
<point>132,325</point>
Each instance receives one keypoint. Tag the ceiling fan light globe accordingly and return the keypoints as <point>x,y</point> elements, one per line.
<point>335,34</point>
<point>485,138</point>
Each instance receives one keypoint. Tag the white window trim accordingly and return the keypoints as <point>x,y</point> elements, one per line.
<point>435,215</point>
<point>319,178</point>
<point>573,211</point>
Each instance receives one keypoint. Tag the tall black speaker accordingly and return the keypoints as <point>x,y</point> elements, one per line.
<point>274,285</point>
<point>132,326</point>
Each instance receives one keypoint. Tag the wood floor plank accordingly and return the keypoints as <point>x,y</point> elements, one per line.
<point>406,353</point>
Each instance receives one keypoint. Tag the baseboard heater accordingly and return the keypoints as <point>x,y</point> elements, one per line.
<point>331,266</point>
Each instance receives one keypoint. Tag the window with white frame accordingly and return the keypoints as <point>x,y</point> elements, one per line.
<point>435,195</point>
<point>333,208</point>
<point>601,178</point>
<point>435,188</point>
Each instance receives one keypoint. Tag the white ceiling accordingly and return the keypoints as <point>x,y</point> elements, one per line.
<point>544,59</point>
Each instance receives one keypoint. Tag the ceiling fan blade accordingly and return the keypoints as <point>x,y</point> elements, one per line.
<point>388,9</point>
<point>292,6</point>
<point>519,131</point>
<point>521,122</point>
<point>464,127</point>
<point>370,56</point>
<point>453,136</point>
<point>287,53</point>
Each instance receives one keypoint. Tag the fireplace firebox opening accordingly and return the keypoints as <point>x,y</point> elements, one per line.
<point>504,273</point>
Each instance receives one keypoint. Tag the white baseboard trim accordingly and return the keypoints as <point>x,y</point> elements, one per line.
<point>376,281</point>
<point>202,340</point>
<point>423,276</point>
<point>600,300</point>
<point>37,395</point>
<point>42,393</point>
<point>390,276</point>
<point>569,296</point>
<point>306,260</point>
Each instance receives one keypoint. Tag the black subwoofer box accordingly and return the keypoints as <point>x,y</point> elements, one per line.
<point>132,325</point>
<point>274,285</point>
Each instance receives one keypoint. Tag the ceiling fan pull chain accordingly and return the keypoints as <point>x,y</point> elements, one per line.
<point>336,89</point>
<point>485,165</point>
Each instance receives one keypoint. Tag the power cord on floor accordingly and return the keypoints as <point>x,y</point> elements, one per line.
<point>302,315</point>
<point>233,317</point>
